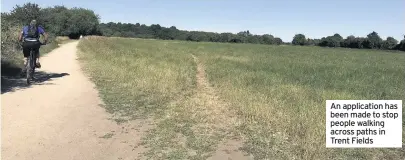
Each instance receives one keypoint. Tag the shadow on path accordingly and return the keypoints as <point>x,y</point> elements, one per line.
<point>13,83</point>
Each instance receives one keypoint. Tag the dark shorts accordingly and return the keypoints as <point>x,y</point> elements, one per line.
<point>28,45</point>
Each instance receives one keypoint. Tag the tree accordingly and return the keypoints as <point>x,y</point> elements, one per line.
<point>299,39</point>
<point>361,42</point>
<point>172,32</point>
<point>373,41</point>
<point>55,19</point>
<point>244,33</point>
<point>316,42</point>
<point>25,13</point>
<point>191,37</point>
<point>236,39</point>
<point>331,41</point>
<point>278,41</point>
<point>253,39</point>
<point>324,42</point>
<point>215,38</point>
<point>338,37</point>
<point>117,34</point>
<point>156,29</point>
<point>81,22</point>
<point>268,39</point>
<point>401,46</point>
<point>225,37</point>
<point>310,42</point>
<point>107,32</point>
<point>390,43</point>
<point>350,42</point>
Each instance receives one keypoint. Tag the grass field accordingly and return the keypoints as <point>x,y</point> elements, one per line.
<point>272,98</point>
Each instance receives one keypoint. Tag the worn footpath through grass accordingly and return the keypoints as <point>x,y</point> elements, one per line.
<point>166,83</point>
<point>271,98</point>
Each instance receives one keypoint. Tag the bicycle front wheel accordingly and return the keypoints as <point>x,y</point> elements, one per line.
<point>30,66</point>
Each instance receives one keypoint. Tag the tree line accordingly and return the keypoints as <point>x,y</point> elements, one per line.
<point>155,31</point>
<point>372,41</point>
<point>73,22</point>
<point>172,33</point>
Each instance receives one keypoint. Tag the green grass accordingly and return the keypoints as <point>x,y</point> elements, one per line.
<point>153,79</point>
<point>281,91</point>
<point>277,93</point>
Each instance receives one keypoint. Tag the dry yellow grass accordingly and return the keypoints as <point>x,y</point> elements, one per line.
<point>276,94</point>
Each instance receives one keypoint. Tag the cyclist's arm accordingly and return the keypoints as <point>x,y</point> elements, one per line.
<point>42,31</point>
<point>45,37</point>
<point>20,36</point>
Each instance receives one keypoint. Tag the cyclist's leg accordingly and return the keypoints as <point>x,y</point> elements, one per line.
<point>37,58</point>
<point>36,51</point>
<point>26,52</point>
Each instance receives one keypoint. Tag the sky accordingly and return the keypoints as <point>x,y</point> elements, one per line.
<point>280,18</point>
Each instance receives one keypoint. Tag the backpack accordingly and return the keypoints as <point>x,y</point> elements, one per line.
<point>32,32</point>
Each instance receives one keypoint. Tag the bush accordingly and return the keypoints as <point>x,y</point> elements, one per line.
<point>11,57</point>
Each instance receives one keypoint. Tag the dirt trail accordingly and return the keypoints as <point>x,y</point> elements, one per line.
<point>61,118</point>
<point>223,119</point>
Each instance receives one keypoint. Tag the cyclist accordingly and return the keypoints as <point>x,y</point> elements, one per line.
<point>30,37</point>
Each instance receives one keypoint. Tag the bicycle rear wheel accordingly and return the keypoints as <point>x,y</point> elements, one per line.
<point>30,66</point>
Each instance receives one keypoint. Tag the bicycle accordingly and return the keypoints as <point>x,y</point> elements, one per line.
<point>31,65</point>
